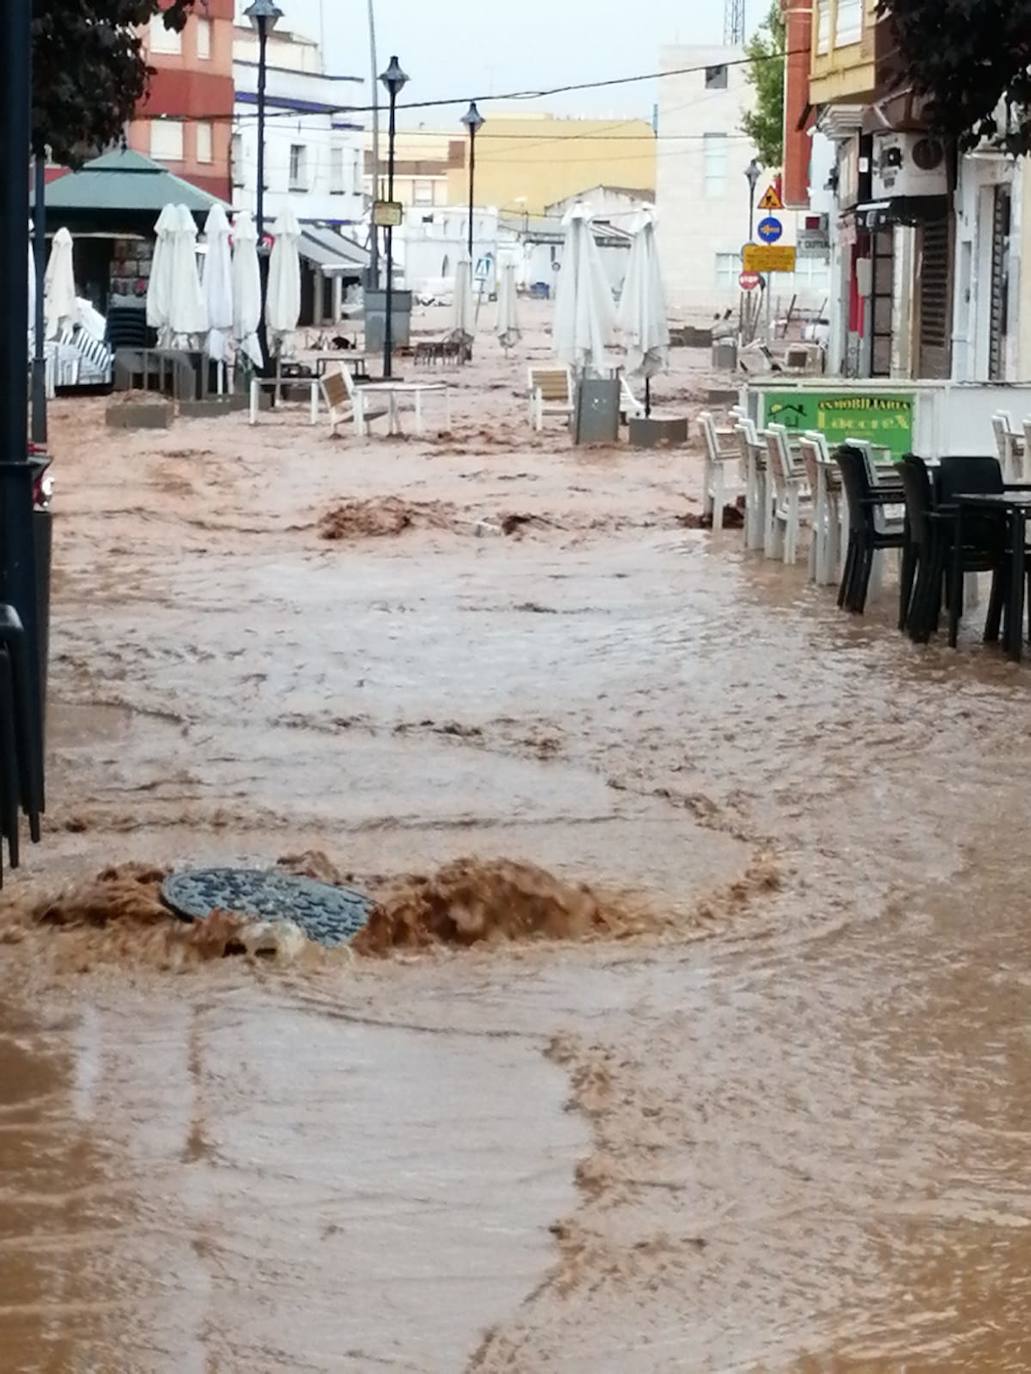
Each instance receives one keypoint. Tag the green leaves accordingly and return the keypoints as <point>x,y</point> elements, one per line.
<point>765,124</point>
<point>89,72</point>
<point>971,59</point>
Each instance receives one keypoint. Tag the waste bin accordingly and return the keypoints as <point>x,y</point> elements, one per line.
<point>376,319</point>
<point>596,419</point>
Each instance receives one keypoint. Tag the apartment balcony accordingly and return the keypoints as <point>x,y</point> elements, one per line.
<point>849,46</point>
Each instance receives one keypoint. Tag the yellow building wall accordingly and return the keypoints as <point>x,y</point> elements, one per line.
<point>845,72</point>
<point>531,162</point>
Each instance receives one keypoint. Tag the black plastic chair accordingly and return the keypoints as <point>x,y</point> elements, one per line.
<point>980,545</point>
<point>10,782</point>
<point>865,539</point>
<point>21,745</point>
<point>922,562</point>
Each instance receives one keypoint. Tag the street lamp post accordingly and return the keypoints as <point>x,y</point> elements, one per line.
<point>474,122</point>
<point>753,172</point>
<point>39,267</point>
<point>18,555</point>
<point>395,80</point>
<point>264,16</point>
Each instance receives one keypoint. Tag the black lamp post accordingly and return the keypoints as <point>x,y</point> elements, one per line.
<point>474,122</point>
<point>395,80</point>
<point>18,556</point>
<point>39,261</point>
<point>753,172</point>
<point>264,16</point>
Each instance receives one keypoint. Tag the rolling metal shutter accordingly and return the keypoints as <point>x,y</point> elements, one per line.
<point>934,278</point>
<point>998,320</point>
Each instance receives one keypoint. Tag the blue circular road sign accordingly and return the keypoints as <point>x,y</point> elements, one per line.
<point>770,229</point>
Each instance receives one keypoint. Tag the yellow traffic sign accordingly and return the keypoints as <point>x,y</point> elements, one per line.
<point>388,214</point>
<point>762,257</point>
<point>771,200</point>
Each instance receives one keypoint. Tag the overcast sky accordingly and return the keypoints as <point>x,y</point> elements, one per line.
<point>466,48</point>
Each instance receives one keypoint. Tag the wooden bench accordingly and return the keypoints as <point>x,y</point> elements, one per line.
<point>551,393</point>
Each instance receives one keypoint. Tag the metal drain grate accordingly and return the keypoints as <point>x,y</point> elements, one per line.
<point>328,915</point>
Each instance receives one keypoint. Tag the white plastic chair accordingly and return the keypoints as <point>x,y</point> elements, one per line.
<point>1009,445</point>
<point>629,405</point>
<point>715,488</point>
<point>825,551</point>
<point>757,490</point>
<point>790,492</point>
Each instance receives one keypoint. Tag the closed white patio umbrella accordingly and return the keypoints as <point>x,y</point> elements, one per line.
<point>246,288</point>
<point>218,284</point>
<point>158,288</point>
<point>62,307</point>
<point>187,313</point>
<point>642,310</point>
<point>283,308</point>
<point>508,329</point>
<point>32,285</point>
<point>463,313</point>
<point>584,313</point>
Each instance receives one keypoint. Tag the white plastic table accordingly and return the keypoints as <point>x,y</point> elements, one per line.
<point>393,392</point>
<point>277,384</point>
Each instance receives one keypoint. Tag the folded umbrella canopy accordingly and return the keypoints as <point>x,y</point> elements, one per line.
<point>246,288</point>
<point>584,313</point>
<point>463,316</point>
<point>218,284</point>
<point>508,329</point>
<point>32,284</point>
<point>642,309</point>
<point>158,288</point>
<point>62,307</point>
<point>187,313</point>
<point>283,308</point>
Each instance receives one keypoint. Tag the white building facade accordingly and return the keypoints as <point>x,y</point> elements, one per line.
<point>313,146</point>
<point>703,195</point>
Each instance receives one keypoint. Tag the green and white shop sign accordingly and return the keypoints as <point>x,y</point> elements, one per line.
<point>884,419</point>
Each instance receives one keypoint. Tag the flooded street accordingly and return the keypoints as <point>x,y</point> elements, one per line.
<point>787,1128</point>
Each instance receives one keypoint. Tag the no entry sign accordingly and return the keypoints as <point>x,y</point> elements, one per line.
<point>748,281</point>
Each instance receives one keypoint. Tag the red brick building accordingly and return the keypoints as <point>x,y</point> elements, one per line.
<point>186,122</point>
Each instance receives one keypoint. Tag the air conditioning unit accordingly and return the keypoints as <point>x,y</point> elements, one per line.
<point>909,165</point>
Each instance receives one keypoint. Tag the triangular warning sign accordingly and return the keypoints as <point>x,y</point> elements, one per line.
<point>771,200</point>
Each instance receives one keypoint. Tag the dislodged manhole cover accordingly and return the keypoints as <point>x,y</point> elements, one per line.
<point>328,915</point>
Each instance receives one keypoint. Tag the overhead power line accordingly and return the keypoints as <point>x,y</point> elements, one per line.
<point>543,93</point>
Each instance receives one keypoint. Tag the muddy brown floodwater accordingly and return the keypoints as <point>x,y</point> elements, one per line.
<point>778,1119</point>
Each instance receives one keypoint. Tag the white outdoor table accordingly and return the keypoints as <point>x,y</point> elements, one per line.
<point>393,391</point>
<point>277,384</point>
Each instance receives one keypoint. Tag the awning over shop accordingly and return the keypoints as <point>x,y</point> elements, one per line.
<point>331,253</point>
<point>911,210</point>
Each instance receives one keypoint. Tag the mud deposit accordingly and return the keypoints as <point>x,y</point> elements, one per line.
<point>722,1067</point>
<point>119,917</point>
<point>383,517</point>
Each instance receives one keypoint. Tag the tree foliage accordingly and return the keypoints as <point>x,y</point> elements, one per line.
<point>765,124</point>
<point>89,72</point>
<point>972,60</point>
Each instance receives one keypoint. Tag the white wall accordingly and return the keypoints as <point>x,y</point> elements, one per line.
<point>606,203</point>
<point>432,242</point>
<point>699,220</point>
<point>979,175</point>
<point>330,188</point>
<point>702,226</point>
